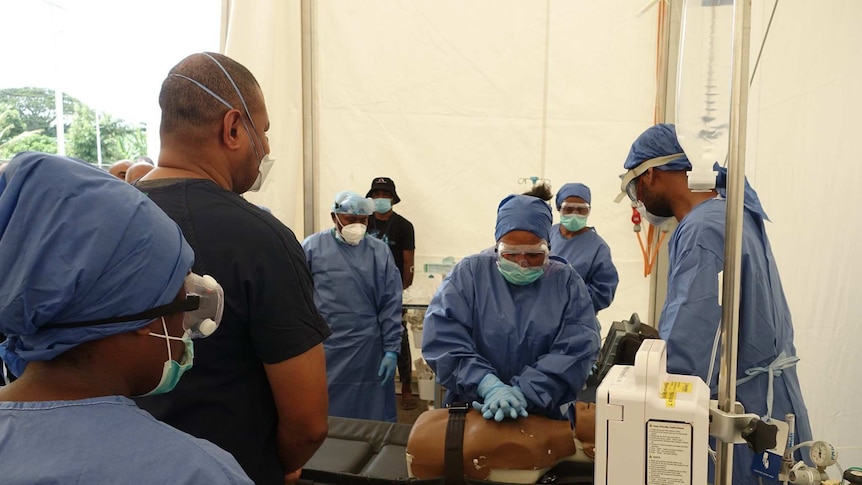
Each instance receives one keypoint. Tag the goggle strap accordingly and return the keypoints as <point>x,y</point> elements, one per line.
<point>192,302</point>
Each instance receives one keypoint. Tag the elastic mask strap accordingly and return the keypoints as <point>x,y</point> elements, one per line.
<point>241,98</point>
<point>229,106</point>
<point>165,336</point>
<point>208,90</point>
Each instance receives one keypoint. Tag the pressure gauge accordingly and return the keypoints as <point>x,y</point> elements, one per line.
<point>822,454</point>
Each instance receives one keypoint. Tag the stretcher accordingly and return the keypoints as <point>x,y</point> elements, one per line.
<point>363,452</point>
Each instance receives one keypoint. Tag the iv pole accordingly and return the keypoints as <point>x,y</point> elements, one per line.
<point>733,231</point>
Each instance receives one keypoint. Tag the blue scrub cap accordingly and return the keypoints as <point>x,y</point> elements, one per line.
<point>657,141</point>
<point>572,190</point>
<point>523,213</point>
<point>77,245</point>
<point>347,202</point>
<point>660,141</point>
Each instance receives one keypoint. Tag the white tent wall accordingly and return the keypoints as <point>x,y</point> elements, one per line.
<point>458,101</point>
<point>265,36</point>
<point>803,160</point>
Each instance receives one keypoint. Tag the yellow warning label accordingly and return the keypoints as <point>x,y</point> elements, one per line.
<point>669,390</point>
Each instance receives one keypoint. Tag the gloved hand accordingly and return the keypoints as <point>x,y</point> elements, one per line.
<point>501,401</point>
<point>387,367</point>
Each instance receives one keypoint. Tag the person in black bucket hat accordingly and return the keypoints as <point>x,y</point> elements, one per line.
<point>397,232</point>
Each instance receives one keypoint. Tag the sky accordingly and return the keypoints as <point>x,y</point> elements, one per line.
<point>110,54</point>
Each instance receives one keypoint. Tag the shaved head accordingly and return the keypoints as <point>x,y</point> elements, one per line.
<point>186,106</point>
<point>138,170</point>
<point>118,169</point>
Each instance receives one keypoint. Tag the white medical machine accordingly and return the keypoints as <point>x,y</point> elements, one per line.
<point>651,427</point>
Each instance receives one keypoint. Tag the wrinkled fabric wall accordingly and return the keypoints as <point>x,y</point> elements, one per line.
<point>459,102</point>
<point>803,160</point>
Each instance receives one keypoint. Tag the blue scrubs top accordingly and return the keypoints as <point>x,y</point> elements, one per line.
<point>541,337</point>
<point>104,440</point>
<point>692,312</point>
<point>357,290</point>
<point>590,255</point>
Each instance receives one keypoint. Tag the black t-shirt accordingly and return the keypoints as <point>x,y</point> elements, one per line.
<point>397,232</point>
<point>269,316</point>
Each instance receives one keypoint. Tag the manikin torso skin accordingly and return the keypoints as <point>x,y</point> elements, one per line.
<point>530,443</point>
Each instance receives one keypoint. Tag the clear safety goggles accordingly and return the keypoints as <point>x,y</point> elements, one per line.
<point>575,208</point>
<point>204,320</point>
<point>203,307</point>
<point>632,189</point>
<point>628,180</point>
<point>525,255</point>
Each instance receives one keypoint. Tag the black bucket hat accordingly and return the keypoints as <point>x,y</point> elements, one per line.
<point>384,183</point>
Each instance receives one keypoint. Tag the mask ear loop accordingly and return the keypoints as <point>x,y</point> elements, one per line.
<point>167,340</point>
<point>241,100</point>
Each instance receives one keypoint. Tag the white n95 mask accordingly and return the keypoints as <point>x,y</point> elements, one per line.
<point>262,171</point>
<point>353,233</point>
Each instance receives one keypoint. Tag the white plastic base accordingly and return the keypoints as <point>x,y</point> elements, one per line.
<point>651,427</point>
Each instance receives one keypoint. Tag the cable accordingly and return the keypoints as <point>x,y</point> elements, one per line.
<point>800,445</point>
<point>763,43</point>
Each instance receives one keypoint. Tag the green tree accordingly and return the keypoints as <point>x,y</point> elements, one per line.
<point>28,141</point>
<point>28,122</point>
<point>81,139</point>
<point>36,106</point>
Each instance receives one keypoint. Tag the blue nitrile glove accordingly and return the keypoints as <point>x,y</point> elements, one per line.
<point>521,399</point>
<point>387,367</point>
<point>501,401</point>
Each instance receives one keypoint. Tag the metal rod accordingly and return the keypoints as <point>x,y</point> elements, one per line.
<point>309,143</point>
<point>662,61</point>
<point>733,231</point>
<point>658,279</point>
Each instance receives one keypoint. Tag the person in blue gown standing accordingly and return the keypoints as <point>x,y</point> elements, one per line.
<point>357,289</point>
<point>582,246</point>
<point>511,328</point>
<point>767,381</point>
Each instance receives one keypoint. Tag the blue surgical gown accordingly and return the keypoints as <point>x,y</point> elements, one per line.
<point>692,312</point>
<point>104,440</point>
<point>590,255</point>
<point>357,290</point>
<point>541,337</point>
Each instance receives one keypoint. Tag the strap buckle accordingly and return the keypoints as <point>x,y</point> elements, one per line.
<point>459,407</point>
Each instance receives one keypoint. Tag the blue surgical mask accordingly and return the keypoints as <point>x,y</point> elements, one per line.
<point>573,223</point>
<point>515,274</point>
<point>382,205</point>
<point>173,370</point>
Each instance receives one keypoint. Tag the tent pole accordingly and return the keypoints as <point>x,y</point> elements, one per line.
<point>733,231</point>
<point>309,141</point>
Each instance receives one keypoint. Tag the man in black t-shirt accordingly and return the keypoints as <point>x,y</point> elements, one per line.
<point>258,387</point>
<point>397,232</point>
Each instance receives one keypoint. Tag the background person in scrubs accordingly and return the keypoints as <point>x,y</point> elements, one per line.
<point>68,418</point>
<point>357,289</point>
<point>511,328</point>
